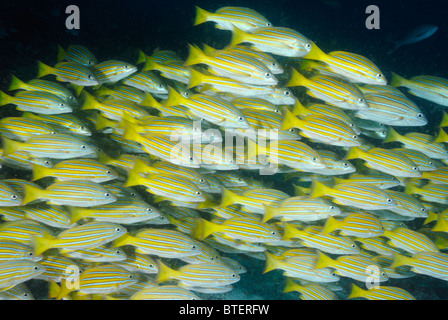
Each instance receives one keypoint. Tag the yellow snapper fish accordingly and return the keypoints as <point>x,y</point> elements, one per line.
<point>88,235</point>
<point>356,267</point>
<point>431,88</point>
<point>71,72</point>
<point>310,291</point>
<point>380,293</point>
<point>353,194</point>
<point>353,66</point>
<point>276,40</point>
<point>229,64</point>
<point>331,90</point>
<point>226,18</point>
<point>204,275</point>
<point>362,225</point>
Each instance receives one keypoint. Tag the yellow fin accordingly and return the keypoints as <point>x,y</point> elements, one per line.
<point>297,79</point>
<point>238,36</point>
<point>324,261</point>
<point>272,262</point>
<point>331,225</point>
<point>44,69</point>
<point>203,228</point>
<point>201,16</point>
<point>61,53</point>
<point>318,189</point>
<point>356,292</point>
<point>5,98</point>
<point>316,53</point>
<point>165,272</point>
<point>396,80</point>
<point>42,244</point>
<point>195,56</point>
<point>16,84</point>
<point>40,172</point>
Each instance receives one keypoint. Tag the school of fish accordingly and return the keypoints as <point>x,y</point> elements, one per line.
<point>122,181</point>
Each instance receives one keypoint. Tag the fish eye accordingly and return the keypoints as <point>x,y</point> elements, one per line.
<point>193,247</point>
<point>361,100</point>
<point>126,66</point>
<point>267,75</point>
<point>239,180</point>
<point>83,147</point>
<point>274,64</point>
<point>118,251</point>
<point>107,194</point>
<point>71,98</point>
<point>414,168</point>
<point>276,111</point>
<point>160,86</point>
<point>25,294</point>
<point>131,276</point>
<point>148,210</point>
<point>332,207</point>
<point>62,105</point>
<point>30,254</point>
<point>36,268</point>
<point>353,246</point>
<point>191,159</point>
<point>240,119</point>
<point>268,24</point>
<point>292,130</point>
<point>389,200</point>
<point>108,172</point>
<point>430,162</point>
<point>379,75</point>
<point>355,137</point>
<point>423,210</point>
<point>419,115</point>
<point>287,93</point>
<point>90,77</point>
<point>14,197</point>
<point>198,193</point>
<point>118,229</point>
<point>345,164</point>
<point>308,46</point>
<point>273,233</point>
<point>314,159</point>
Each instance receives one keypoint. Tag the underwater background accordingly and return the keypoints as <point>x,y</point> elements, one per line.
<point>31,31</point>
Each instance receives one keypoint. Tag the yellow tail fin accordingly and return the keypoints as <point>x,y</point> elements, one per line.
<point>354,153</point>
<point>90,102</point>
<point>331,225</point>
<point>76,213</point>
<point>318,189</point>
<point>229,197</point>
<point>11,146</point>
<point>289,232</point>
<point>324,261</point>
<point>174,98</point>
<point>291,285</point>
<point>392,135</point>
<point>42,244</point>
<point>269,213</point>
<point>239,36</point>
<point>300,110</point>
<point>16,84</point>
<point>400,260</point>
<point>272,262</point>
<point>31,193</point>
<point>204,228</point>
<point>165,272</point>
<point>40,172</point>
<point>201,16</point>
<point>44,69</point>
<point>442,136</point>
<point>141,57</point>
<point>356,292</point>
<point>61,53</point>
<point>396,80</point>
<point>290,120</point>
<point>297,79</point>
<point>195,56</point>
<point>5,99</point>
<point>196,78</point>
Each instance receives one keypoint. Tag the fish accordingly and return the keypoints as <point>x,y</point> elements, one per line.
<point>427,87</point>
<point>300,267</point>
<point>380,293</point>
<point>325,129</point>
<point>111,71</point>
<point>355,67</point>
<point>63,123</point>
<point>54,146</point>
<point>333,91</point>
<point>121,211</point>
<point>204,275</point>
<point>354,194</point>
<point>81,193</point>
<point>239,228</point>
<point>214,110</point>
<point>97,254</point>
<point>36,101</point>
<point>387,161</point>
<point>76,169</point>
<point>418,141</point>
<point>51,215</point>
<point>12,250</point>
<point>381,181</point>
<point>409,240</point>
<point>415,35</point>
<point>362,225</point>
<point>310,291</point>
<point>355,267</point>
<point>138,262</point>
<point>165,292</point>
<point>275,40</point>
<point>101,279</point>
<point>86,236</point>
<point>44,85</point>
<point>160,242</point>
<point>232,65</point>
<point>77,53</point>
<point>312,237</point>
<point>19,128</point>
<point>146,81</point>
<point>433,264</point>
<point>15,272</point>
<point>301,209</point>
<point>172,69</point>
<point>9,197</point>
<point>227,18</point>
<point>392,109</point>
<point>71,72</point>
